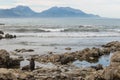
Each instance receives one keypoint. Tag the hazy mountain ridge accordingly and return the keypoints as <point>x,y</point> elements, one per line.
<point>24,11</point>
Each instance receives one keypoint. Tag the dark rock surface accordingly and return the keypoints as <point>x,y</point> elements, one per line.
<point>24,50</point>
<point>6,36</point>
<point>6,61</point>
<point>9,36</point>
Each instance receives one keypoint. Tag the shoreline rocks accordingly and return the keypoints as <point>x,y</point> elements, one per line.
<point>88,54</point>
<point>64,70</point>
<point>6,35</point>
<point>9,36</point>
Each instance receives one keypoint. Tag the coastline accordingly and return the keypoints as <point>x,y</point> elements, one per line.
<point>60,55</point>
<point>61,67</point>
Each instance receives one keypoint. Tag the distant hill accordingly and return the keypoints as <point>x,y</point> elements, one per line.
<point>19,11</point>
<point>24,11</point>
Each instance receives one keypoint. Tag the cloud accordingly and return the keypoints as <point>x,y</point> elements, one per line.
<point>106,8</point>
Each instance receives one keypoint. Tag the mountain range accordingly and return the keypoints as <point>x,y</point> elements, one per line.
<point>25,11</point>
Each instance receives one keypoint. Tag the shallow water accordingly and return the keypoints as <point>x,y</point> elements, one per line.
<point>104,60</point>
<point>37,64</point>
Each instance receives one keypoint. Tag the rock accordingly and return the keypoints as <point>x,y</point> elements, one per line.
<point>97,67</point>
<point>115,59</point>
<point>113,46</point>
<point>27,68</point>
<point>50,53</point>
<point>14,62</point>
<point>30,50</point>
<point>106,51</point>
<point>4,58</point>
<point>10,36</point>
<point>112,73</point>
<point>6,75</point>
<point>1,36</point>
<point>15,74</point>
<point>66,60</point>
<point>24,50</point>
<point>2,24</point>
<point>68,48</point>
<point>88,54</point>
<point>1,32</point>
<point>7,62</point>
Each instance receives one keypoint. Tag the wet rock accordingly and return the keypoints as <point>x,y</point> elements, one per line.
<point>9,36</point>
<point>4,58</point>
<point>14,62</point>
<point>68,48</point>
<point>89,54</point>
<point>24,50</point>
<point>2,24</point>
<point>50,52</point>
<point>113,43</point>
<point>1,32</point>
<point>6,36</point>
<point>27,68</point>
<point>66,60</point>
<point>97,67</point>
<point>7,62</point>
<point>113,46</point>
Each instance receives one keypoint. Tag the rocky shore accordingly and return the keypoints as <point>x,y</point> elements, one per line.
<point>63,68</point>
<point>6,35</point>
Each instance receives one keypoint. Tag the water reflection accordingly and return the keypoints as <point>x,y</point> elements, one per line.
<point>104,60</point>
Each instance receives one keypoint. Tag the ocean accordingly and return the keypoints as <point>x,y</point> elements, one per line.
<point>46,35</point>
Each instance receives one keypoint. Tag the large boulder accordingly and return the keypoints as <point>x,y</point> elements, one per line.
<point>7,62</point>
<point>67,59</point>
<point>15,74</point>
<point>5,74</point>
<point>4,58</point>
<point>115,59</point>
<point>111,73</point>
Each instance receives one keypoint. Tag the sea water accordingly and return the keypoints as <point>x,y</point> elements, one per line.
<point>55,34</point>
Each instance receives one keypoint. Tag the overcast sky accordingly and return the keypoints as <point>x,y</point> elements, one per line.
<point>104,8</point>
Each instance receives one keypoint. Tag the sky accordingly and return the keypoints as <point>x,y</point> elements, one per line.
<point>104,8</point>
